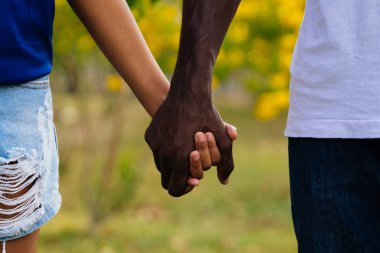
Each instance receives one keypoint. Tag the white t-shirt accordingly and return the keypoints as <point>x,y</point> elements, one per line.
<point>335,71</point>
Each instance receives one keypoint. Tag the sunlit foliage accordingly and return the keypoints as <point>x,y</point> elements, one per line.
<point>256,53</point>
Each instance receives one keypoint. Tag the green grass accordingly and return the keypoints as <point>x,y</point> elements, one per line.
<point>251,214</point>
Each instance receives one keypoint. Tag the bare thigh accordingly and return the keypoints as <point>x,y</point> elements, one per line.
<point>26,244</point>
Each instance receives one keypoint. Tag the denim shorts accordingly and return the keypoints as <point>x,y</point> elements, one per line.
<point>29,194</point>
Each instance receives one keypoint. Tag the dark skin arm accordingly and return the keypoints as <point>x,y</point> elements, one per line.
<point>113,27</point>
<point>188,108</point>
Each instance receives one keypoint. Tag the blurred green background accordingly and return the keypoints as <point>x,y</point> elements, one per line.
<point>112,197</point>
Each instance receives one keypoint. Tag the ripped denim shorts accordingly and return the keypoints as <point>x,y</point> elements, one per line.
<point>29,194</point>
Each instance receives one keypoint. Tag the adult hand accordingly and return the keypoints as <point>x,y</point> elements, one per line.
<point>188,107</point>
<point>171,138</point>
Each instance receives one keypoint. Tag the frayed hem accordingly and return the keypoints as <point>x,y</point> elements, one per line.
<point>20,170</point>
<point>23,225</point>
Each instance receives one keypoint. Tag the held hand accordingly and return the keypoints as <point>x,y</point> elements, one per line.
<point>207,153</point>
<point>171,138</point>
<point>188,107</point>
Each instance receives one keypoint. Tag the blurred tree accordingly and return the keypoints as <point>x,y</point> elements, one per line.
<point>257,50</point>
<point>73,46</point>
<point>108,176</point>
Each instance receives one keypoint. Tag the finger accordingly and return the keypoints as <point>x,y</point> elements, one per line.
<point>166,172</point>
<point>178,179</point>
<point>226,165</point>
<point>188,189</point>
<point>225,168</point>
<point>193,182</point>
<point>202,148</point>
<point>157,161</point>
<point>213,149</point>
<point>149,137</point>
<point>196,169</point>
<point>231,131</point>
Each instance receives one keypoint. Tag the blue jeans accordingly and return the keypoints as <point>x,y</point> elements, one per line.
<point>335,194</point>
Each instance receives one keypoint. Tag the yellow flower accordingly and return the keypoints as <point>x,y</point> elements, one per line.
<point>288,41</point>
<point>236,57</point>
<point>265,111</point>
<point>285,58</point>
<point>269,105</point>
<point>114,83</point>
<point>291,13</point>
<point>238,32</point>
<point>247,9</point>
<point>279,80</point>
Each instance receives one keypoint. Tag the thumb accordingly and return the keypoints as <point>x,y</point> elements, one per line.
<point>231,131</point>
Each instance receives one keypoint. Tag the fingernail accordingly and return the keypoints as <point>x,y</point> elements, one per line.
<point>199,136</point>
<point>208,137</point>
<point>195,156</point>
<point>193,182</point>
<point>226,181</point>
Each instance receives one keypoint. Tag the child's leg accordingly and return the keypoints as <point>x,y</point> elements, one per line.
<point>26,244</point>
<point>29,195</point>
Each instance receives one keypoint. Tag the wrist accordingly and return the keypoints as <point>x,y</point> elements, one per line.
<point>193,75</point>
<point>155,95</point>
<point>195,87</point>
<point>197,99</point>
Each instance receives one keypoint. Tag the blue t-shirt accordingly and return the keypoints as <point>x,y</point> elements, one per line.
<point>25,40</point>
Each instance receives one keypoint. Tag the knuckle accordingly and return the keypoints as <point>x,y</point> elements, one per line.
<point>212,145</point>
<point>206,168</point>
<point>206,162</point>
<point>215,160</point>
<point>202,144</point>
<point>226,146</point>
<point>200,176</point>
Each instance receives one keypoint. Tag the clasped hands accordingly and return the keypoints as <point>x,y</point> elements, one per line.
<point>187,139</point>
<point>188,108</point>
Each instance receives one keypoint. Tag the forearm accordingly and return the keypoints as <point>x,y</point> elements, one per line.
<point>113,27</point>
<point>204,26</point>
